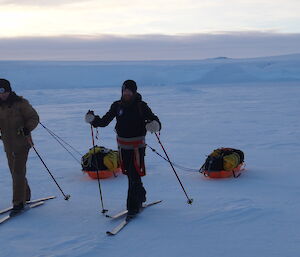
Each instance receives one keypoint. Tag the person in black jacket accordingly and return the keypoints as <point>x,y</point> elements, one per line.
<point>134,119</point>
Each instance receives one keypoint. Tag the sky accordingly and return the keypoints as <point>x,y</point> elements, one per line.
<point>29,27</point>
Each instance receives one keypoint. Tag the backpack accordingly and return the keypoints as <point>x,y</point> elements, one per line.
<point>223,162</point>
<point>105,159</point>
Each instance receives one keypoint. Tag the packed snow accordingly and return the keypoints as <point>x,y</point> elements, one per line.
<point>252,105</point>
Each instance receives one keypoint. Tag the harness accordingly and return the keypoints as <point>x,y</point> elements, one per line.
<point>133,143</point>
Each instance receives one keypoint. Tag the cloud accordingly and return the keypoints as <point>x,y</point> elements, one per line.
<point>40,2</point>
<point>87,17</point>
<point>150,47</point>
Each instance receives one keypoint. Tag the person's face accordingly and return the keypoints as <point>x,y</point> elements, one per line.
<point>4,96</point>
<point>127,94</point>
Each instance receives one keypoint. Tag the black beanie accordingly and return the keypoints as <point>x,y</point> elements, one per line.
<point>4,84</point>
<point>130,85</point>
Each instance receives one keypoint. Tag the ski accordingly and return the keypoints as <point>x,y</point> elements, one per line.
<point>29,202</point>
<point>8,217</point>
<point>118,215</point>
<point>42,199</point>
<point>124,212</point>
<point>121,225</point>
<point>118,228</point>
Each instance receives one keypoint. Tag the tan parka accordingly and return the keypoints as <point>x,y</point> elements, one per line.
<point>15,114</point>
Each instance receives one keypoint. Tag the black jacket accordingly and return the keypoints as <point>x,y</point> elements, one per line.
<point>131,117</point>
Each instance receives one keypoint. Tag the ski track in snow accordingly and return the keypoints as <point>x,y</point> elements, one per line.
<point>254,215</point>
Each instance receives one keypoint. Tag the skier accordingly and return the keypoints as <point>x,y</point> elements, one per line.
<point>17,120</point>
<point>134,119</point>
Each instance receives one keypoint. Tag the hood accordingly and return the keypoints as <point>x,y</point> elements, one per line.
<point>12,98</point>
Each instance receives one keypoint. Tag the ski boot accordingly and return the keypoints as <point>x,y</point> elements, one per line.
<point>17,209</point>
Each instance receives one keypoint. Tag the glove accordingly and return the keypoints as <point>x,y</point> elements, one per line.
<point>23,132</point>
<point>153,126</point>
<point>89,117</point>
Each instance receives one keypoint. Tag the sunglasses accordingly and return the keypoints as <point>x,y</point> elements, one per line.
<point>2,90</point>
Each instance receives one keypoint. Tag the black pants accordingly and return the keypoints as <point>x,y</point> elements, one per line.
<point>136,192</point>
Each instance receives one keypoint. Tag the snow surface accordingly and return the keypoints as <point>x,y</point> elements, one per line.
<point>254,215</point>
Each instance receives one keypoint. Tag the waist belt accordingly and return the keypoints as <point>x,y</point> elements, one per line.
<point>131,143</point>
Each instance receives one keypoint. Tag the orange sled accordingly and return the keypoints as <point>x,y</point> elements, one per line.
<point>224,173</point>
<point>103,174</point>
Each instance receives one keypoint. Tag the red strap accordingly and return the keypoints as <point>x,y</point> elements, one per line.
<point>133,143</point>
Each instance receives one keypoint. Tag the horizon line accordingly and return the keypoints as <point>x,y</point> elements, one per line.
<point>152,60</point>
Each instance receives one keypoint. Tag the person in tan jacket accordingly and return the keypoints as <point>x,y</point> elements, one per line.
<point>17,119</point>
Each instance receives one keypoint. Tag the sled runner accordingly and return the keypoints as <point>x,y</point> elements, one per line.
<point>103,174</point>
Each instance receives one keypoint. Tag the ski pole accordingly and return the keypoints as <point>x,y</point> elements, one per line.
<point>97,169</point>
<point>66,197</point>
<point>190,200</point>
